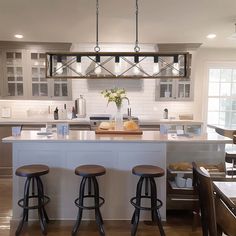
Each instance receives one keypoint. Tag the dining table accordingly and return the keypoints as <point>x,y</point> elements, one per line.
<point>226,190</point>
<point>225,205</point>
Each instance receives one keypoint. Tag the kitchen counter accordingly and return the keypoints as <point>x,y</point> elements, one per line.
<point>117,153</point>
<point>142,121</point>
<point>90,136</point>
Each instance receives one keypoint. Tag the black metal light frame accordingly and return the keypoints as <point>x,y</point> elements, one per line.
<point>133,59</point>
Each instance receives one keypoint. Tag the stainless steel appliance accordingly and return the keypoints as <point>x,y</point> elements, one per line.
<point>95,120</point>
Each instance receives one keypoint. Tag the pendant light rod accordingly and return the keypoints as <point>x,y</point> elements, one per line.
<point>136,48</point>
<point>97,48</point>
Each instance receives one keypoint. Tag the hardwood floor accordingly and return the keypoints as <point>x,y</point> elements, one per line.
<point>178,223</point>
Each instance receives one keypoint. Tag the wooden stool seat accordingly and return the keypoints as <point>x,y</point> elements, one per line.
<point>148,171</point>
<point>32,170</point>
<point>90,170</point>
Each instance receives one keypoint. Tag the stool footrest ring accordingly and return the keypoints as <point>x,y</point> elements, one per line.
<point>45,200</point>
<point>101,202</point>
<point>159,203</point>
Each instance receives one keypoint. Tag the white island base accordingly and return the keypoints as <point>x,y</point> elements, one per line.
<point>118,154</point>
<point>117,186</point>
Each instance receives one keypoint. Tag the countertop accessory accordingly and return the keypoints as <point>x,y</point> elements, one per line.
<point>165,115</point>
<point>110,131</point>
<point>81,107</point>
<point>6,112</point>
<point>56,114</point>
<point>116,95</point>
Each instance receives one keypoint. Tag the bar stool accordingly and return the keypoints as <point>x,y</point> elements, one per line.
<point>147,173</point>
<point>89,173</point>
<point>33,173</point>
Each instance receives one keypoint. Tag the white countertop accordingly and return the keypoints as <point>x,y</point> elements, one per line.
<point>142,121</point>
<point>90,136</point>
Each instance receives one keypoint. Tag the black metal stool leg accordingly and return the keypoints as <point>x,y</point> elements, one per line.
<point>156,213</point>
<point>25,211</point>
<point>40,209</point>
<point>80,211</point>
<point>43,208</point>
<point>27,200</point>
<point>98,215</point>
<point>135,217</point>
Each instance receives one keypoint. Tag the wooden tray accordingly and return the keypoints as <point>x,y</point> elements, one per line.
<point>111,131</point>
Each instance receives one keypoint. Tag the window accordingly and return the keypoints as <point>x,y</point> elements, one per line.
<point>222,96</point>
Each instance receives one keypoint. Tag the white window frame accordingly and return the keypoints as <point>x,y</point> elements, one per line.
<point>208,66</point>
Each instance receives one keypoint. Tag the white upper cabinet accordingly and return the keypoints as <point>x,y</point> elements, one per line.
<point>174,90</point>
<point>22,76</point>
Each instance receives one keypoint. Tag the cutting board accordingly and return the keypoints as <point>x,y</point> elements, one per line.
<point>111,131</point>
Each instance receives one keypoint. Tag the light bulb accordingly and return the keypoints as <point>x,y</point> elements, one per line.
<point>98,70</point>
<point>156,68</point>
<point>136,70</point>
<point>117,68</point>
<point>175,70</point>
<point>59,68</point>
<point>78,67</point>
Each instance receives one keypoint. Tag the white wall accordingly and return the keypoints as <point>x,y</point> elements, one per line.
<point>140,92</point>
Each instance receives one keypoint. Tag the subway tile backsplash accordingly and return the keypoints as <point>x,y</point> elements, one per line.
<point>141,94</point>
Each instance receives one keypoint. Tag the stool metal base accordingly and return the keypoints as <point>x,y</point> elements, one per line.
<point>98,202</point>
<point>42,201</point>
<point>155,204</point>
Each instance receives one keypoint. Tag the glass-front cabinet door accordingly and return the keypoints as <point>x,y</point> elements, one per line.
<point>166,89</point>
<point>174,89</point>
<point>14,73</point>
<point>39,84</point>
<point>183,88</point>
<point>60,88</point>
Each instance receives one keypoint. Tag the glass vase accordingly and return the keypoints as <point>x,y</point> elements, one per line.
<point>118,119</point>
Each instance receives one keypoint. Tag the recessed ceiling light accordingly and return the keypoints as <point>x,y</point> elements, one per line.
<point>211,36</point>
<point>18,36</point>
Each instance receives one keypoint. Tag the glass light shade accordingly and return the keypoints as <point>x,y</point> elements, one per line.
<point>59,68</point>
<point>175,70</point>
<point>136,70</point>
<point>78,67</point>
<point>156,68</point>
<point>98,70</point>
<point>117,68</point>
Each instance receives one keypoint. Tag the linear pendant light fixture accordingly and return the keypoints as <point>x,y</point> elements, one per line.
<point>122,65</point>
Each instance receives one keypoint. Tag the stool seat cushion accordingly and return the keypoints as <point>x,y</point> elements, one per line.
<point>90,170</point>
<point>32,170</point>
<point>148,171</point>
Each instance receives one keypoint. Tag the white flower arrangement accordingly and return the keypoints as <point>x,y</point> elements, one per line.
<point>116,95</point>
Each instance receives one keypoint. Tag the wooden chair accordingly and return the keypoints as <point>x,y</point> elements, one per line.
<point>226,220</point>
<point>203,185</point>
<point>230,157</point>
<point>216,217</point>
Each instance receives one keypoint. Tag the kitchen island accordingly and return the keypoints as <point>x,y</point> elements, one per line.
<point>117,153</point>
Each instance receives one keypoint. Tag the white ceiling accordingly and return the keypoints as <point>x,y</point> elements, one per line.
<point>160,21</point>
